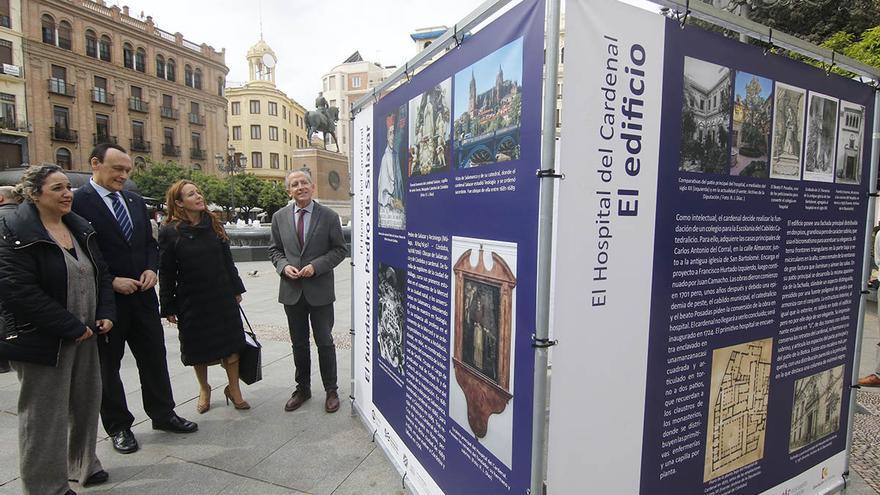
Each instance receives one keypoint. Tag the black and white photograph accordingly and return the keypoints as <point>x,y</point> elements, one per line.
<point>819,151</point>
<point>430,128</point>
<point>849,143</point>
<point>705,117</point>
<point>390,332</point>
<point>815,410</point>
<point>788,129</point>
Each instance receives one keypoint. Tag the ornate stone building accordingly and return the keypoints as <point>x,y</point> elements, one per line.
<point>264,123</point>
<point>14,126</point>
<point>95,74</point>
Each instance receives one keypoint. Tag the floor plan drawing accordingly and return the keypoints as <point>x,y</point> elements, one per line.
<point>737,406</point>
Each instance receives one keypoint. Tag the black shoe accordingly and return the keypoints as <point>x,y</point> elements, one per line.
<point>4,366</point>
<point>175,424</point>
<point>97,478</point>
<point>124,442</point>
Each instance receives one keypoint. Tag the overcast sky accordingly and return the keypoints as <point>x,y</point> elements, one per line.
<point>379,29</point>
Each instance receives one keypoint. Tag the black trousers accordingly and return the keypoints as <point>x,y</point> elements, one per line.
<point>139,325</point>
<point>298,317</point>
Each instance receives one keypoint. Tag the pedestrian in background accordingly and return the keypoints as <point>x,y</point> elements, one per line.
<point>199,290</point>
<point>57,296</point>
<point>9,200</point>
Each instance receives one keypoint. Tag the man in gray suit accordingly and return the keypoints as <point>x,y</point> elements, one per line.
<point>305,246</point>
<point>9,200</point>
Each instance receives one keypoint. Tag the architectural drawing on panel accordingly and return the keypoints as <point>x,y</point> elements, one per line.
<point>849,143</point>
<point>815,411</point>
<point>737,407</point>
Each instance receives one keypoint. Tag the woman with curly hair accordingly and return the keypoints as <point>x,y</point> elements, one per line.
<point>199,290</point>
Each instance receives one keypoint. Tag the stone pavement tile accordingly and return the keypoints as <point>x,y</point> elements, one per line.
<point>322,457</point>
<point>245,486</point>
<point>9,451</point>
<point>373,476</point>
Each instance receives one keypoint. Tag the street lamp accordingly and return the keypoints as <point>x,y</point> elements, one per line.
<point>230,165</point>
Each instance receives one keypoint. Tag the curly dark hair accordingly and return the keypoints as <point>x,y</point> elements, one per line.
<point>34,178</point>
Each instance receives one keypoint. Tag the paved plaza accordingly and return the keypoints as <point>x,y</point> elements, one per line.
<point>264,451</point>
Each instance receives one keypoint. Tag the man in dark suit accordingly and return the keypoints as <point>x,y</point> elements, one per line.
<point>9,200</point>
<point>126,241</point>
<point>305,246</point>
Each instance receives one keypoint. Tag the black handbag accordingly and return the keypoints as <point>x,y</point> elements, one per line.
<point>250,358</point>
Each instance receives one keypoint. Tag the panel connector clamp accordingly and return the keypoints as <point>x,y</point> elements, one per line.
<point>549,173</point>
<point>543,343</point>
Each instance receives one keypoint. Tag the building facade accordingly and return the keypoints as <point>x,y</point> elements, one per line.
<point>14,125</point>
<point>96,74</point>
<point>347,83</point>
<point>265,125</point>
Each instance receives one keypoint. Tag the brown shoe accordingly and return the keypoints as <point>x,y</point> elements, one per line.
<point>297,398</point>
<point>331,405</point>
<point>871,380</point>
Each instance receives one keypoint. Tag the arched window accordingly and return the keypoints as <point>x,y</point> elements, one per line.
<point>140,60</point>
<point>48,27</point>
<point>160,66</point>
<point>91,44</point>
<point>188,75</point>
<point>197,79</point>
<point>196,166</point>
<point>169,70</point>
<point>62,158</point>
<point>64,34</point>
<point>104,48</point>
<point>128,56</point>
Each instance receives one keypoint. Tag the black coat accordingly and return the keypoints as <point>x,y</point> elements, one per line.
<point>198,283</point>
<point>33,287</point>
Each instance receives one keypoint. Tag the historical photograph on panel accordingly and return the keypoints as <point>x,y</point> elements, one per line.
<point>488,108</point>
<point>391,192</point>
<point>430,149</point>
<point>737,407</point>
<point>750,137</point>
<point>849,143</point>
<point>705,117</point>
<point>483,332</point>
<point>788,130</point>
<point>819,152</point>
<point>815,411</point>
<point>391,315</point>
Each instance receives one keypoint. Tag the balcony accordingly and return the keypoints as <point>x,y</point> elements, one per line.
<point>170,150</point>
<point>196,119</point>
<point>140,145</point>
<point>63,134</point>
<point>11,70</point>
<point>197,154</point>
<point>168,113</point>
<point>62,87</point>
<point>10,124</point>
<point>103,138</point>
<point>103,97</point>
<point>138,105</point>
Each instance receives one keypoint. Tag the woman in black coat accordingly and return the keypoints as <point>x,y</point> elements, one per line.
<point>57,297</point>
<point>199,290</point>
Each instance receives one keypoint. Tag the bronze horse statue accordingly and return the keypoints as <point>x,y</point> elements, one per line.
<point>325,123</point>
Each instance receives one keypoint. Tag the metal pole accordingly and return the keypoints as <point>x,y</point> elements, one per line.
<point>866,273</point>
<point>545,246</point>
<point>232,187</point>
<point>351,238</point>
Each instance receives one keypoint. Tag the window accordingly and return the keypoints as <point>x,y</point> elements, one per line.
<point>62,158</point>
<point>197,79</point>
<point>188,76</point>
<point>283,112</point>
<point>168,136</point>
<point>137,135</point>
<point>285,162</point>
<point>99,93</point>
<point>169,70</point>
<point>274,161</point>
<point>284,132</point>
<point>64,34</point>
<point>167,109</point>
<point>61,117</point>
<point>7,111</point>
<point>102,129</point>
<point>273,133</point>
<point>273,108</point>
<point>236,133</point>
<point>220,86</point>
<point>332,103</point>
<point>91,44</point>
<point>332,83</point>
<point>255,106</point>
<point>236,108</point>
<point>355,82</point>
<point>6,52</point>
<point>137,102</point>
<point>48,27</point>
<point>196,141</point>
<point>140,60</point>
<point>160,66</point>
<point>104,48</point>
<point>5,20</point>
<point>195,113</point>
<point>127,56</point>
<point>256,159</point>
<point>255,132</point>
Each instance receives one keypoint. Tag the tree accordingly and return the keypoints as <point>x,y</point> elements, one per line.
<point>155,178</point>
<point>272,197</point>
<point>247,192</point>
<point>756,120</point>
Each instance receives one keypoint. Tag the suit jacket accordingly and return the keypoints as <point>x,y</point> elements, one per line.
<point>324,249</point>
<point>124,258</point>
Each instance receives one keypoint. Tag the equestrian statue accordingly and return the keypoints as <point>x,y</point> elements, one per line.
<point>323,119</point>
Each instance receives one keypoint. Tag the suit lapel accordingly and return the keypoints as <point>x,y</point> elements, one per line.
<point>288,227</point>
<point>99,204</point>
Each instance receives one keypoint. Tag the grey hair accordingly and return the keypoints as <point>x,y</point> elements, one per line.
<point>34,178</point>
<point>303,171</point>
<point>10,194</point>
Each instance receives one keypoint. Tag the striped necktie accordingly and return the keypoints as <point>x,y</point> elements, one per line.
<point>121,216</point>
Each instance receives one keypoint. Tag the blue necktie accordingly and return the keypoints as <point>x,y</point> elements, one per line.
<point>121,216</point>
